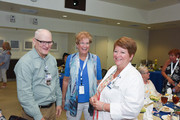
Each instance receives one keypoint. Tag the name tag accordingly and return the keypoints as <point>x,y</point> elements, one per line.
<point>81,89</point>
<point>110,85</point>
<point>48,79</point>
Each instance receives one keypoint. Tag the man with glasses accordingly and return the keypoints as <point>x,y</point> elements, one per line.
<point>37,78</point>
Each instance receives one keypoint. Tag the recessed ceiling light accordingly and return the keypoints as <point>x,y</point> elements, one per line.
<point>152,0</point>
<point>64,16</point>
<point>118,23</point>
<point>134,25</point>
<point>94,20</point>
<point>34,0</point>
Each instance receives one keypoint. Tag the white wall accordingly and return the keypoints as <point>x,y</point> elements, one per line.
<point>103,9</point>
<point>62,28</point>
<point>96,8</point>
<point>165,14</point>
<point>27,35</point>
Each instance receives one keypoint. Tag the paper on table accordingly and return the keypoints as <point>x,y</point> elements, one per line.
<point>169,92</point>
<point>147,101</point>
<point>148,114</point>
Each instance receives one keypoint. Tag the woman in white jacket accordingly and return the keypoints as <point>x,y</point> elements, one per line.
<point>120,94</point>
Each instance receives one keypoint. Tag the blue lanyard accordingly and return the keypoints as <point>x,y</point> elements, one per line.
<point>84,64</point>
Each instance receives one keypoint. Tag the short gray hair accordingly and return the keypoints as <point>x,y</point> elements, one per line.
<point>142,69</point>
<point>38,31</point>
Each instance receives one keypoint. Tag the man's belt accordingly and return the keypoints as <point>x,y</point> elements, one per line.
<point>46,106</point>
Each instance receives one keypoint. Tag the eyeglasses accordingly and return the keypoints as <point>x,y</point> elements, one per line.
<point>45,42</point>
<point>145,73</point>
<point>82,43</point>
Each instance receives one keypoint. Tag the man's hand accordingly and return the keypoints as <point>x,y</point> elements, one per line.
<point>58,111</point>
<point>42,119</point>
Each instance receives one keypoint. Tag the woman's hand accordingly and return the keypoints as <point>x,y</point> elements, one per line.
<point>95,102</point>
<point>63,104</point>
<point>171,81</point>
<point>177,88</point>
<point>98,105</point>
<point>93,99</point>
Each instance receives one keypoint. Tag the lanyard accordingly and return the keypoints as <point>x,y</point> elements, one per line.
<point>172,69</point>
<point>107,82</point>
<point>84,64</point>
<point>46,67</point>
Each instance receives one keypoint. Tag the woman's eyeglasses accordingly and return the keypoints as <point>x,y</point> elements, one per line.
<point>45,42</point>
<point>145,73</point>
<point>84,43</point>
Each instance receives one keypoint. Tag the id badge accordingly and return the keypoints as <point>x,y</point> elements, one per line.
<point>81,89</point>
<point>110,85</point>
<point>48,79</point>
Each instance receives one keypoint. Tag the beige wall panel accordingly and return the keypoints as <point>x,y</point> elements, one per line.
<point>161,41</point>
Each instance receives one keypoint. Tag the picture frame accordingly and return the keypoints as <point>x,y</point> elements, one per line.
<point>1,42</point>
<point>54,47</point>
<point>14,44</point>
<point>28,45</point>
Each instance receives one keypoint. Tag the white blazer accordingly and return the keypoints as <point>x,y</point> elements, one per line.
<point>126,95</point>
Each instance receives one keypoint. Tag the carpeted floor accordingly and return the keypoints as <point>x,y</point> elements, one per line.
<point>9,103</point>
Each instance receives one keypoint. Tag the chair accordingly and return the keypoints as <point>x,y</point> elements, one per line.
<point>13,117</point>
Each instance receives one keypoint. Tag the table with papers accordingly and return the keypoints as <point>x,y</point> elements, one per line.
<point>155,114</point>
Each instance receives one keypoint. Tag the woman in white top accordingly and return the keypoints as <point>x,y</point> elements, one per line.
<point>148,85</point>
<point>120,94</point>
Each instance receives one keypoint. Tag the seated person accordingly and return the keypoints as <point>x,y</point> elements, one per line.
<point>148,85</point>
<point>62,66</point>
<point>65,55</point>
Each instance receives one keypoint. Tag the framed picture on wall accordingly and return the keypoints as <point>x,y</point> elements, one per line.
<point>14,44</point>
<point>1,42</point>
<point>54,47</point>
<point>28,45</point>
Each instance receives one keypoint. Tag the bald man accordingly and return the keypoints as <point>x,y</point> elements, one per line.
<point>37,78</point>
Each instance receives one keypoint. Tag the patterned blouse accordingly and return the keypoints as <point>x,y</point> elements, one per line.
<point>176,75</point>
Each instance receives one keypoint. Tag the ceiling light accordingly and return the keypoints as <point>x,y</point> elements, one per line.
<point>34,0</point>
<point>75,3</point>
<point>94,20</point>
<point>64,16</point>
<point>118,23</point>
<point>152,0</point>
<point>134,25</point>
<point>148,27</point>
